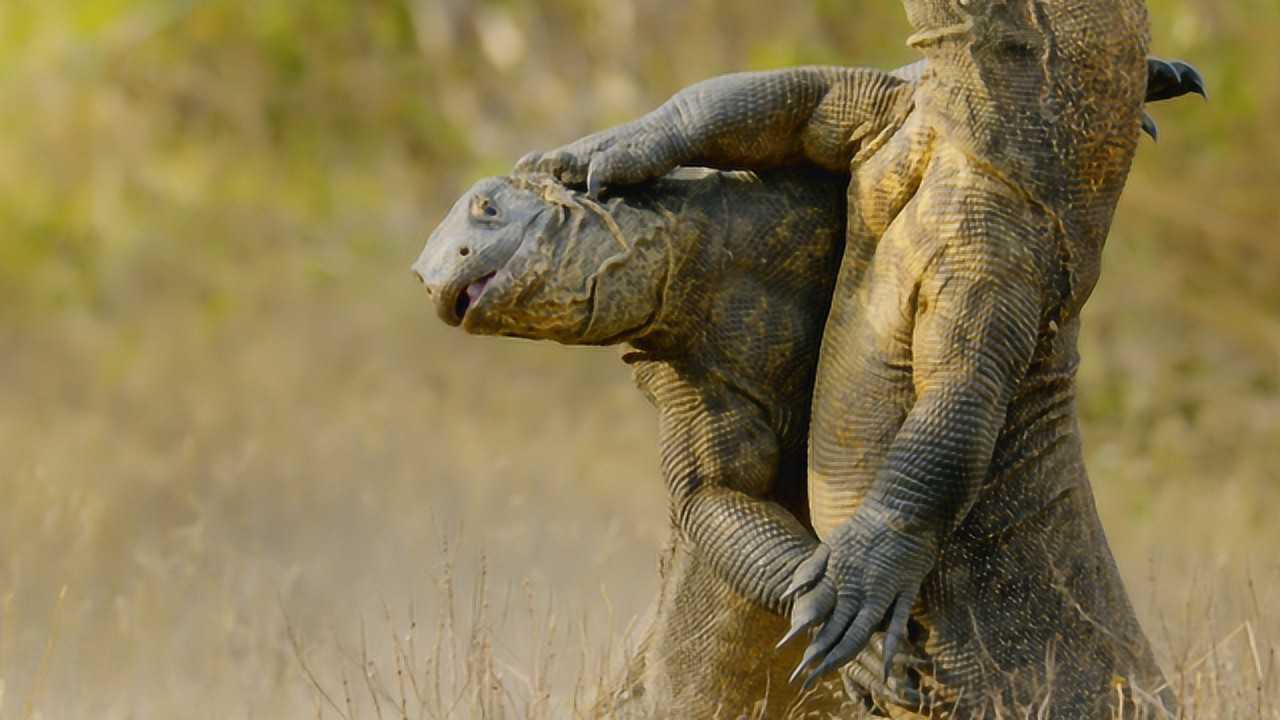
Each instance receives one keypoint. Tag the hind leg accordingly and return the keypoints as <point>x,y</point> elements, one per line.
<point>710,654</point>
<point>1045,621</point>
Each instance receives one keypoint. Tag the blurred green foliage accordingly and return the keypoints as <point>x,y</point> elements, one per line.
<point>173,141</point>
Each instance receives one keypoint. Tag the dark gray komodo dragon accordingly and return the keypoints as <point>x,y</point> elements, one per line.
<point>721,283</point>
<point>945,475</point>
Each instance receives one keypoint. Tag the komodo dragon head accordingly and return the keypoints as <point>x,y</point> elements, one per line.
<point>524,257</point>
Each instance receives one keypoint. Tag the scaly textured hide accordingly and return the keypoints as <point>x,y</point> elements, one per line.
<point>720,284</point>
<point>946,476</point>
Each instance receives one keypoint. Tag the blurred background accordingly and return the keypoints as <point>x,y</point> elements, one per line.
<point>236,446</point>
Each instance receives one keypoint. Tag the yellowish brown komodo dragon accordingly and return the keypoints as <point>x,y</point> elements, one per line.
<point>722,283</point>
<point>946,476</point>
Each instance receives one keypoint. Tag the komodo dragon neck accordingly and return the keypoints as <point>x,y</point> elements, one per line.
<point>750,266</point>
<point>705,241</point>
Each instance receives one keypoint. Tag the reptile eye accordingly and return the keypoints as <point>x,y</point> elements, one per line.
<point>482,208</point>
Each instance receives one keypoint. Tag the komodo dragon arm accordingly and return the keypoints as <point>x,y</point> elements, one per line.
<point>977,313</point>
<point>807,115</point>
<point>751,121</point>
<point>720,458</point>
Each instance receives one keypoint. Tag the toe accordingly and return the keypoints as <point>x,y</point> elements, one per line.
<point>809,609</point>
<point>808,573</point>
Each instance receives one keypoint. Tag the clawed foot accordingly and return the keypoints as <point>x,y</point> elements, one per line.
<point>625,155</point>
<point>868,573</point>
<point>1166,80</point>
<point>902,688</point>
<point>570,164</point>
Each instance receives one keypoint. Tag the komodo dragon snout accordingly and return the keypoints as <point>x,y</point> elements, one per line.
<point>476,241</point>
<point>526,257</point>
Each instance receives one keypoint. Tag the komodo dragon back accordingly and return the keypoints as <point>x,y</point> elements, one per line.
<point>1009,146</point>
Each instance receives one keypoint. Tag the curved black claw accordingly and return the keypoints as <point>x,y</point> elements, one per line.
<point>1169,79</point>
<point>1193,81</point>
<point>1149,126</point>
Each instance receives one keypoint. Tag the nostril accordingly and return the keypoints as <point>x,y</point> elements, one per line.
<point>464,251</point>
<point>422,278</point>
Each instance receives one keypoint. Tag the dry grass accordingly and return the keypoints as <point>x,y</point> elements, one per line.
<point>467,667</point>
<point>473,658</point>
<point>231,430</point>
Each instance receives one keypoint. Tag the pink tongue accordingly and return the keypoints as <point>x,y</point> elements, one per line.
<point>476,289</point>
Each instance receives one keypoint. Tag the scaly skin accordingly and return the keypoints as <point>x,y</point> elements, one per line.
<point>720,284</point>
<point>946,475</point>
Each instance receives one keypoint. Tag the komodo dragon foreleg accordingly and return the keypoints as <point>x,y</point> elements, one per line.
<point>809,115</point>
<point>720,459</point>
<point>826,116</point>
<point>979,268</point>
<point>748,121</point>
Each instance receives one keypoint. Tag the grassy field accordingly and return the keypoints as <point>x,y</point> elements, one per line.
<point>240,460</point>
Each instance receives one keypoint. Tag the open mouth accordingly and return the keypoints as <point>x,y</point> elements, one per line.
<point>468,296</point>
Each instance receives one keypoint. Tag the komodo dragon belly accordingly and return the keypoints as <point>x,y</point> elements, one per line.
<point>1026,586</point>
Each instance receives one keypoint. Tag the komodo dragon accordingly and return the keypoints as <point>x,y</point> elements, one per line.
<point>720,283</point>
<point>946,474</point>
<point>731,279</point>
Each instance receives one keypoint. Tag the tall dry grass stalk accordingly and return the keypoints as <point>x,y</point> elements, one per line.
<point>471,657</point>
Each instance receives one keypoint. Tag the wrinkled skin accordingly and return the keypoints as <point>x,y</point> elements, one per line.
<point>946,475</point>
<point>720,286</point>
<point>524,257</point>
